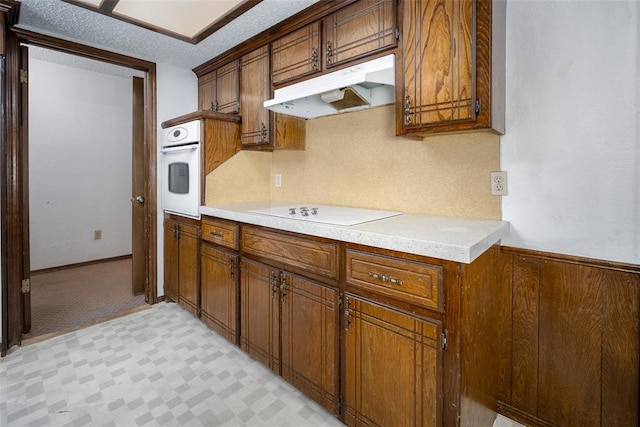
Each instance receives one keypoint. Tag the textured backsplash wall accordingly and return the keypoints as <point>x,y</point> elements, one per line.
<point>356,160</point>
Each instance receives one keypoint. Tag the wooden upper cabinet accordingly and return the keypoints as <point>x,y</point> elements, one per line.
<point>207,91</point>
<point>261,128</point>
<point>360,29</point>
<point>219,90</point>
<point>228,88</point>
<point>447,85</point>
<point>254,90</point>
<point>296,55</point>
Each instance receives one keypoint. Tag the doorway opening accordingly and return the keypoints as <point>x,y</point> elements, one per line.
<point>82,172</point>
<point>16,252</point>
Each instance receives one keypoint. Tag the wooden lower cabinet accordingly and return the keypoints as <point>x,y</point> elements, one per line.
<point>393,366</point>
<point>219,290</point>
<point>309,337</point>
<point>181,263</point>
<point>289,324</point>
<point>171,260</point>
<point>260,313</point>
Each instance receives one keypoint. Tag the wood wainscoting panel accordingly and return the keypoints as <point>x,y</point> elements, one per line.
<point>620,350</point>
<point>570,339</point>
<point>525,320</point>
<point>575,349</point>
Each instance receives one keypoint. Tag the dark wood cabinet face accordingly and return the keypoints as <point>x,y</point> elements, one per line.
<point>360,29</point>
<point>309,335</point>
<point>260,314</point>
<point>181,264</point>
<point>254,90</point>
<point>219,290</point>
<point>228,88</point>
<point>393,367</point>
<point>439,71</point>
<point>296,55</point>
<point>188,267</point>
<point>207,92</point>
<point>171,260</point>
<point>219,90</point>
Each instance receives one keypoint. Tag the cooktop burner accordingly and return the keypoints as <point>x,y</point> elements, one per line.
<point>327,214</point>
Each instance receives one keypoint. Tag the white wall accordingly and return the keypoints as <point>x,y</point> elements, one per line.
<point>80,126</point>
<point>572,145</point>
<point>177,94</point>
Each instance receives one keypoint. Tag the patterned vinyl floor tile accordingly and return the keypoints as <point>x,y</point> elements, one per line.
<point>157,367</point>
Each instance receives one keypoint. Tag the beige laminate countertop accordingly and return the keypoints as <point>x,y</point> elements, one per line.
<point>449,238</point>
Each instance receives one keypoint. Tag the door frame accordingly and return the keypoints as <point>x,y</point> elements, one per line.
<point>12,246</point>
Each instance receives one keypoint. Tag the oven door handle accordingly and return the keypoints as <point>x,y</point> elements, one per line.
<point>179,149</point>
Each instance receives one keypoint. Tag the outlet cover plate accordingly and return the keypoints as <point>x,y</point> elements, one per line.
<point>499,184</point>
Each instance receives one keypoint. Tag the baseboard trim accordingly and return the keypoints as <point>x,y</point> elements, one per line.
<point>572,259</point>
<point>80,264</point>
<point>521,416</point>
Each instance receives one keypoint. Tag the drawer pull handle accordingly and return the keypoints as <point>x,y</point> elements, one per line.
<point>216,234</point>
<point>386,279</point>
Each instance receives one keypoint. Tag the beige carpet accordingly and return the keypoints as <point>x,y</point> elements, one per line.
<point>69,299</point>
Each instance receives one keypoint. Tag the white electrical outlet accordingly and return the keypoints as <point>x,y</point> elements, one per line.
<point>278,180</point>
<point>499,184</point>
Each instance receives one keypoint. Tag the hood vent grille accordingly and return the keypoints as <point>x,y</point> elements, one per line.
<point>341,99</point>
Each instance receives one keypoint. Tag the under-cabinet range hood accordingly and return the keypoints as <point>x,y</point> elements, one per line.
<point>361,86</point>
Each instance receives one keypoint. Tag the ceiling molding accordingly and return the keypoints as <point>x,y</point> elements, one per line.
<point>107,7</point>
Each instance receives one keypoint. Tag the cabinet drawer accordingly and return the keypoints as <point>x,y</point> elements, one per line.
<point>221,232</point>
<point>316,257</point>
<point>410,281</point>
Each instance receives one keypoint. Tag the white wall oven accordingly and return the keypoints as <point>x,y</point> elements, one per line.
<point>180,164</point>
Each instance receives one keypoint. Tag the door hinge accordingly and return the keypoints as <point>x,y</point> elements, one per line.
<point>340,405</point>
<point>478,106</point>
<point>443,339</point>
<point>24,76</point>
<point>397,33</point>
<point>26,286</point>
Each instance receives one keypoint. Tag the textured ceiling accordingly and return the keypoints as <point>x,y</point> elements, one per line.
<point>74,23</point>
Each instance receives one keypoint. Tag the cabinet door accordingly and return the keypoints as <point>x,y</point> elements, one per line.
<point>360,29</point>
<point>259,312</point>
<point>296,54</point>
<point>189,268</point>
<point>171,260</point>
<point>254,90</point>
<point>227,89</point>
<point>207,91</point>
<point>439,72</point>
<point>219,290</point>
<point>309,338</point>
<point>393,367</point>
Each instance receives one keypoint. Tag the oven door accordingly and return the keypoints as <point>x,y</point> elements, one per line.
<point>181,180</point>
